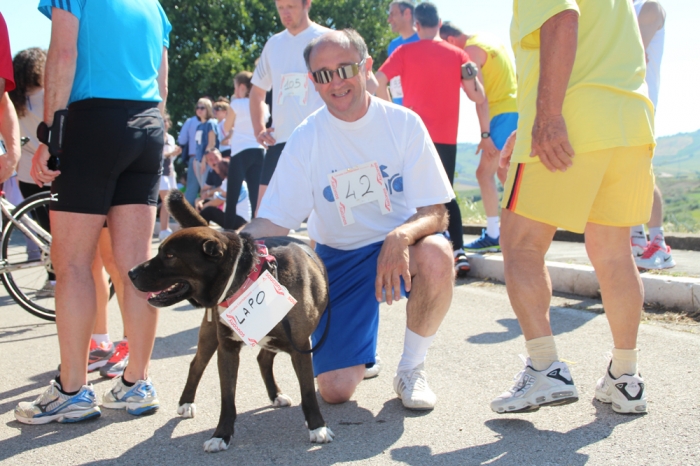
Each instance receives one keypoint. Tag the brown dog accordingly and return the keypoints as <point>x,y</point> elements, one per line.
<point>204,266</point>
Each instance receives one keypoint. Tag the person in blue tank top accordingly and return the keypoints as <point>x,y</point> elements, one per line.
<point>401,21</point>
<point>102,147</point>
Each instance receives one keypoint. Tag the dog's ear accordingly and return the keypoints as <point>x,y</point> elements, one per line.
<point>182,211</point>
<point>213,248</point>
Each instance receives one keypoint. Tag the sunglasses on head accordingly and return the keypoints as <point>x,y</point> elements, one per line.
<point>344,72</point>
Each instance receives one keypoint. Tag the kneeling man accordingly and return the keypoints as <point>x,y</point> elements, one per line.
<point>370,181</point>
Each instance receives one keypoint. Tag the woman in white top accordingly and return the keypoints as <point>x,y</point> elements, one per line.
<point>246,154</point>
<point>167,179</point>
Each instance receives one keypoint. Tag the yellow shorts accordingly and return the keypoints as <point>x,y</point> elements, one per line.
<point>609,187</point>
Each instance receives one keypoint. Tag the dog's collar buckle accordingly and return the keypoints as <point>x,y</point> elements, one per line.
<point>263,260</point>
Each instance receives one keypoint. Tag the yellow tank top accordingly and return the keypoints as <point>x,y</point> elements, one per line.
<point>500,83</point>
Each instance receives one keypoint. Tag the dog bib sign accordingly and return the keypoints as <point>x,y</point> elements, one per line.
<point>357,186</point>
<point>256,311</point>
<point>294,85</point>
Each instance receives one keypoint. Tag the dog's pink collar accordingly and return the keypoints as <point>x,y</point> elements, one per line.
<point>262,257</point>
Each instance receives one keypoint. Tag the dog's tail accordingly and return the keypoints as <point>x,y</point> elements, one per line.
<point>183,211</point>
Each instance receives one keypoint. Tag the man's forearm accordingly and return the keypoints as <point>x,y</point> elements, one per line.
<point>261,227</point>
<point>9,129</point>
<point>482,112</point>
<point>382,83</point>
<point>427,221</point>
<point>257,112</point>
<point>163,81</point>
<point>558,43</point>
<point>60,63</point>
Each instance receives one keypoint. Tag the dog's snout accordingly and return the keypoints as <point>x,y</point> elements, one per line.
<point>134,273</point>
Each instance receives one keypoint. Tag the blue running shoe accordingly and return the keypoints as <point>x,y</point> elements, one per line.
<point>139,399</point>
<point>483,244</point>
<point>52,405</point>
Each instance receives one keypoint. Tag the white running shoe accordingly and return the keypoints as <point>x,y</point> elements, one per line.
<point>52,405</point>
<point>164,234</point>
<point>637,251</point>
<point>139,399</point>
<point>626,393</point>
<point>372,372</point>
<point>412,387</point>
<point>553,386</point>
<point>655,256</point>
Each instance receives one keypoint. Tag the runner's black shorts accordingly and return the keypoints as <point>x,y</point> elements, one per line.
<point>272,156</point>
<point>112,155</point>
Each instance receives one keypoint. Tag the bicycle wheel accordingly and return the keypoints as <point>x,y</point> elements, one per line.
<point>25,264</point>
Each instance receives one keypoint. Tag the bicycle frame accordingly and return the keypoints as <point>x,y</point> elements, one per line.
<point>26,221</point>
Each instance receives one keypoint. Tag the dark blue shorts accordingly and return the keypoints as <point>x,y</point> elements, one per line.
<point>352,336</point>
<point>501,127</point>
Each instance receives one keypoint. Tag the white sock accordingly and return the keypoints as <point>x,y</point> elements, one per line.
<point>415,348</point>
<point>492,227</point>
<point>624,361</point>
<point>458,252</point>
<point>100,338</point>
<point>542,352</point>
<point>638,236</point>
<point>657,231</point>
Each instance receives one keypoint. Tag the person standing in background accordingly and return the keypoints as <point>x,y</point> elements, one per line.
<point>401,21</point>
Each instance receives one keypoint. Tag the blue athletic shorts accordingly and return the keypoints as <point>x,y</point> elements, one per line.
<point>501,127</point>
<point>352,336</point>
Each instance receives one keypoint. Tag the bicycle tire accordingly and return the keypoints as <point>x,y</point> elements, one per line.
<point>23,284</point>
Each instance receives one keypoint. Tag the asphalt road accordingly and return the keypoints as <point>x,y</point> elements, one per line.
<point>472,360</point>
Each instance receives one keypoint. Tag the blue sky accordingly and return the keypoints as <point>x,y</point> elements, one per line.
<point>679,98</point>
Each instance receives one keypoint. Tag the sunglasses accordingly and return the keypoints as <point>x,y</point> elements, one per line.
<point>344,72</point>
<point>201,108</point>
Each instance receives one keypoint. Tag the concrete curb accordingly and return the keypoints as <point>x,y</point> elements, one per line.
<point>672,292</point>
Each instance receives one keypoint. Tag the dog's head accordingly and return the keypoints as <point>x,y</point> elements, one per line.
<point>193,263</point>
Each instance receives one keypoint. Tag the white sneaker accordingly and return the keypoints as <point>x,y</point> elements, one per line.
<point>164,234</point>
<point>656,256</point>
<point>141,398</point>
<point>553,386</point>
<point>626,393</point>
<point>412,387</point>
<point>52,405</point>
<point>637,251</point>
<point>372,372</point>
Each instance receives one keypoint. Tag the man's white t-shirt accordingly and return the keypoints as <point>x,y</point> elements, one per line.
<point>391,135</point>
<point>243,135</point>
<point>282,69</point>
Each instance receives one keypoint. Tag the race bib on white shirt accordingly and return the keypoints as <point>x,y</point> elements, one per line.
<point>294,85</point>
<point>395,87</point>
<point>198,136</point>
<point>257,310</point>
<point>357,186</point>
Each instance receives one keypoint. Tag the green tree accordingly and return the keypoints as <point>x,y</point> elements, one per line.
<point>212,40</point>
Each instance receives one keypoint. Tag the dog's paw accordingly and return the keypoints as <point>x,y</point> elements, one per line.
<point>282,401</point>
<point>187,410</point>
<point>215,444</point>
<point>321,435</point>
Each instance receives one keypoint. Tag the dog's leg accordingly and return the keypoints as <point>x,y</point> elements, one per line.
<point>265,361</point>
<point>206,346</point>
<point>318,431</point>
<point>228,355</point>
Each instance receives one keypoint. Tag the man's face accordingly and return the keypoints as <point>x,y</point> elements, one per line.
<point>292,12</point>
<point>396,19</point>
<point>346,99</point>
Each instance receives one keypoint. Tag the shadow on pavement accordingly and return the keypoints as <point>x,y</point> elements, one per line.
<point>38,381</point>
<point>520,442</point>
<point>561,323</point>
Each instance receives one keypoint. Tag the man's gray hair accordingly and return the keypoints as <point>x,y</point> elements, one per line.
<point>403,6</point>
<point>349,38</point>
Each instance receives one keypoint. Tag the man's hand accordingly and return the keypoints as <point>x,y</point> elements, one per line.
<point>7,167</point>
<point>507,151</point>
<point>40,172</point>
<point>199,204</point>
<point>488,148</point>
<point>550,141</point>
<point>265,138</point>
<point>392,264</point>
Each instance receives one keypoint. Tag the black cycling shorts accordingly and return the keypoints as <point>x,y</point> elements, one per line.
<point>272,156</point>
<point>112,155</point>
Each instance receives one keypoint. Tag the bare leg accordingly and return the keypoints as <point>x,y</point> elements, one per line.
<point>620,285</point>
<point>338,386</point>
<point>101,293</point>
<point>73,249</point>
<point>657,210</point>
<point>164,213</point>
<point>487,184</point>
<point>261,194</point>
<point>131,227</point>
<point>105,247</point>
<point>524,243</point>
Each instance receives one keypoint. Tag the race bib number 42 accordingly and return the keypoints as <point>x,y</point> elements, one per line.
<point>258,309</point>
<point>357,186</point>
<point>294,85</point>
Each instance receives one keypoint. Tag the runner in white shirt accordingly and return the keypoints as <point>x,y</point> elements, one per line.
<point>281,68</point>
<point>367,175</point>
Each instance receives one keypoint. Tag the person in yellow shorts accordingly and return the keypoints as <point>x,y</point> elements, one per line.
<point>498,118</point>
<point>581,160</point>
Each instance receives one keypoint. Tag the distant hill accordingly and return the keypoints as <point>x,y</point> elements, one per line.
<point>676,155</point>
